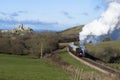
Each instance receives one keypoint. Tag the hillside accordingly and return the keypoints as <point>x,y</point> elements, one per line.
<point>71,34</point>
<point>108,51</point>
<point>73,30</point>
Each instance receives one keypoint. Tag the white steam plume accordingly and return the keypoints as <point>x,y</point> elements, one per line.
<point>107,25</point>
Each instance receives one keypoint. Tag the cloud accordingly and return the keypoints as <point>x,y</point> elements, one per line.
<point>36,25</point>
<point>10,21</point>
<point>85,14</point>
<point>3,13</point>
<point>15,14</point>
<point>97,7</point>
<point>32,22</point>
<point>12,15</point>
<point>67,15</point>
<point>22,11</point>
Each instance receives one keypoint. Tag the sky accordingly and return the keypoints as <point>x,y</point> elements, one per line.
<point>53,15</point>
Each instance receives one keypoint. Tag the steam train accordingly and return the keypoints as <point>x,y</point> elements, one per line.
<point>78,51</point>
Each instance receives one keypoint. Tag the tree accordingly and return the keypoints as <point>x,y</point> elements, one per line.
<point>42,43</point>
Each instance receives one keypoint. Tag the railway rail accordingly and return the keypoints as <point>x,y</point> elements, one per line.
<point>96,65</point>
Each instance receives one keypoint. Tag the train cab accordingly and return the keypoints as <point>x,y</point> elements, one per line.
<point>76,50</point>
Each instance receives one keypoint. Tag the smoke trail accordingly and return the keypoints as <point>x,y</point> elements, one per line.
<point>107,25</point>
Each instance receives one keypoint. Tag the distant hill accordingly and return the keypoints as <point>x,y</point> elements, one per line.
<point>71,34</point>
<point>73,30</point>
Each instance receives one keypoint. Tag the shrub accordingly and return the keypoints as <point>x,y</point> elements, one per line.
<point>110,54</point>
<point>35,44</point>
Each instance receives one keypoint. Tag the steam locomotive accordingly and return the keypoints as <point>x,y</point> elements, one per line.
<point>78,51</point>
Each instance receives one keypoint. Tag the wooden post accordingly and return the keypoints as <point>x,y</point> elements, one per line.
<point>41,52</point>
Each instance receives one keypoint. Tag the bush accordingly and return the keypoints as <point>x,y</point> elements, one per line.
<point>42,43</point>
<point>35,44</point>
<point>5,45</point>
<point>110,55</point>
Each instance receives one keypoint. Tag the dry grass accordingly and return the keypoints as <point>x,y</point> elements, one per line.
<point>79,74</point>
<point>71,34</point>
<point>74,30</point>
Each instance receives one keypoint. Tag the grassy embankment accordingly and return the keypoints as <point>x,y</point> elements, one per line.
<point>99,50</point>
<point>84,72</point>
<point>114,65</point>
<point>102,45</point>
<point>64,54</point>
<point>96,50</point>
<point>81,71</point>
<point>14,67</point>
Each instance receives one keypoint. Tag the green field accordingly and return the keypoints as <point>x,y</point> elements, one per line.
<point>14,67</point>
<point>64,54</point>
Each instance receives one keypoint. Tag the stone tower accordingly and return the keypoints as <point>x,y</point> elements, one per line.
<point>20,27</point>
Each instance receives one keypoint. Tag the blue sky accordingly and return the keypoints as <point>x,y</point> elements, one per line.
<point>49,14</point>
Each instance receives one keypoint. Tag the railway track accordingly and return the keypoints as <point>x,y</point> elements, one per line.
<point>96,65</point>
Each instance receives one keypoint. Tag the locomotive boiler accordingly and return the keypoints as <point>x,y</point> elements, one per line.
<point>76,50</point>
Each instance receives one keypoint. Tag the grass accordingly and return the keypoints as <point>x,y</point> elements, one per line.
<point>114,65</point>
<point>70,34</point>
<point>83,72</point>
<point>64,54</point>
<point>74,30</point>
<point>14,67</point>
<point>99,48</point>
